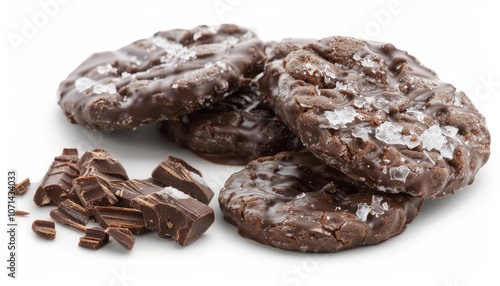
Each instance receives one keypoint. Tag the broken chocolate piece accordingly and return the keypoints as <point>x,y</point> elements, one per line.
<point>65,218</point>
<point>91,191</point>
<point>21,213</point>
<point>123,235</point>
<point>44,229</point>
<point>119,217</point>
<point>56,183</point>
<point>178,174</point>
<point>94,238</point>
<point>101,164</point>
<point>75,211</point>
<point>22,187</point>
<point>128,190</point>
<point>172,213</point>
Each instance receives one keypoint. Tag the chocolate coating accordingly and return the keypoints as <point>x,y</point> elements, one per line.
<point>169,74</point>
<point>294,201</point>
<point>378,115</point>
<point>233,131</point>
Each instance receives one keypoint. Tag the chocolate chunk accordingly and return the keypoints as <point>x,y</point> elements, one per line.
<point>172,213</point>
<point>92,191</point>
<point>21,213</point>
<point>118,217</point>
<point>44,229</point>
<point>57,181</point>
<point>104,166</point>
<point>22,187</point>
<point>169,74</point>
<point>131,189</point>
<point>234,131</point>
<point>123,235</point>
<point>75,211</point>
<point>94,238</point>
<point>71,214</point>
<point>177,173</point>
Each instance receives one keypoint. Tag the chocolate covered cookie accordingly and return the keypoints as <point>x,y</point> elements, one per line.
<point>234,131</point>
<point>380,116</point>
<point>169,74</point>
<point>295,201</point>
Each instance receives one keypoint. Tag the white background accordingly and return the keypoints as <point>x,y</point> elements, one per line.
<point>453,242</point>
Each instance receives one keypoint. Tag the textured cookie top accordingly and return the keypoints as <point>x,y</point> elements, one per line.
<point>380,116</point>
<point>233,131</point>
<point>295,201</point>
<point>169,74</point>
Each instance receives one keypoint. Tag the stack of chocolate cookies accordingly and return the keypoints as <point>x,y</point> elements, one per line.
<point>344,139</point>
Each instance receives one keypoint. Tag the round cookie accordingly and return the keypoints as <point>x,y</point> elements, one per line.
<point>378,115</point>
<point>294,201</point>
<point>233,131</point>
<point>169,74</point>
<point>273,67</point>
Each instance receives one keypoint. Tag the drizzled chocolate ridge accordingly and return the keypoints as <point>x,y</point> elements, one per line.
<point>169,74</point>
<point>295,201</point>
<point>380,116</point>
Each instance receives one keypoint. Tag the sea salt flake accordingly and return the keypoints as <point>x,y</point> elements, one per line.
<point>106,69</point>
<point>390,133</point>
<point>344,86</point>
<point>356,57</point>
<point>84,83</point>
<point>432,138</point>
<point>362,133</point>
<point>199,179</point>
<point>188,55</point>
<point>449,131</point>
<point>126,74</point>
<point>367,62</point>
<point>376,207</point>
<point>419,115</point>
<point>174,193</point>
<point>231,40</point>
<point>339,118</point>
<point>399,173</point>
<point>208,65</point>
<point>100,88</point>
<point>363,211</point>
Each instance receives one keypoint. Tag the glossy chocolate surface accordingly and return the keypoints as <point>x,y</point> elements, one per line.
<point>169,74</point>
<point>295,201</point>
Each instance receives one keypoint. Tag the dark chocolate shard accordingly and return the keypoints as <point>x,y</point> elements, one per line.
<point>22,187</point>
<point>44,229</point>
<point>57,181</point>
<point>94,238</point>
<point>92,192</point>
<point>180,175</point>
<point>101,164</point>
<point>172,213</point>
<point>74,211</point>
<point>21,213</point>
<point>63,218</point>
<point>123,235</point>
<point>128,190</point>
<point>119,217</point>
